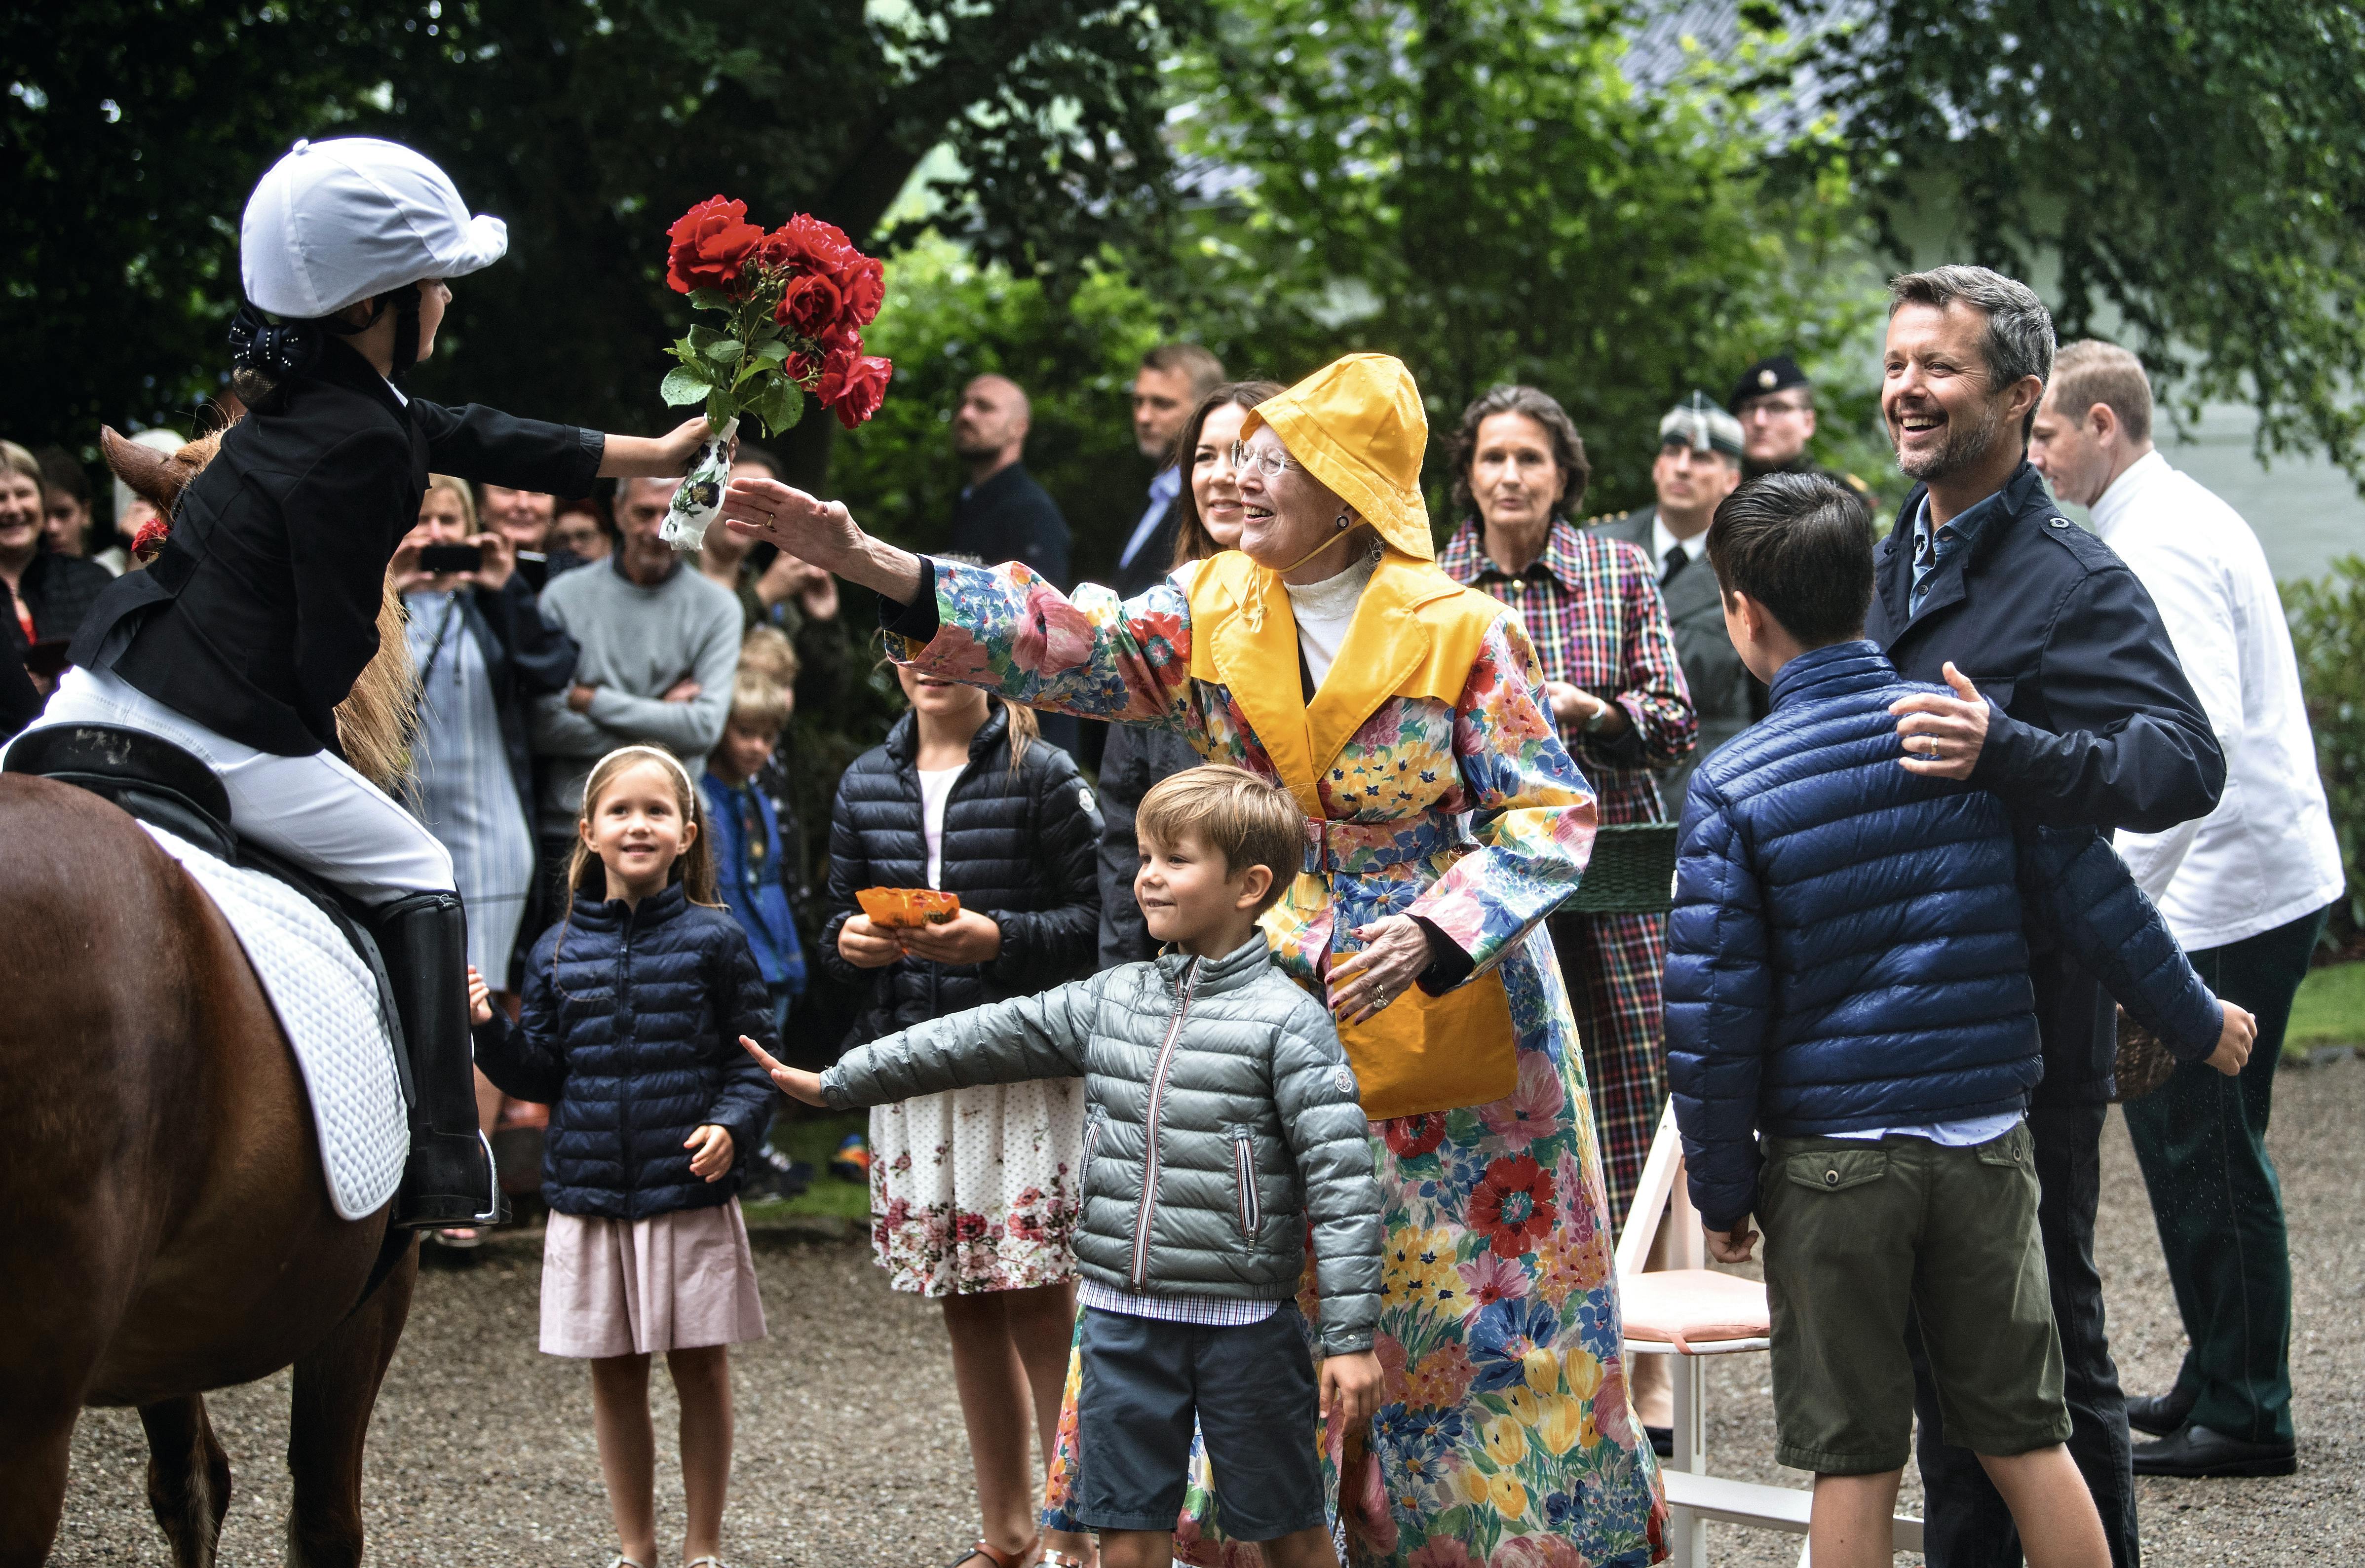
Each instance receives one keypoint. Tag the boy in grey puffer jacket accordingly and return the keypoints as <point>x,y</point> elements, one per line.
<point>1222,1118</point>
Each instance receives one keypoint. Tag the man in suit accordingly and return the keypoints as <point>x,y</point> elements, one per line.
<point>1002,514</point>
<point>1698,465</point>
<point>1173,381</point>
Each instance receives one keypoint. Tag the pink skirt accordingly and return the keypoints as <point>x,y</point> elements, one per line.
<point>617,1287</point>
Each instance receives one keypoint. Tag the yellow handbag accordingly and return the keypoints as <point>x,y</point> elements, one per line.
<point>1433,1053</point>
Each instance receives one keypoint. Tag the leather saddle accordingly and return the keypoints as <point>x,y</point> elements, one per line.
<point>162,784</point>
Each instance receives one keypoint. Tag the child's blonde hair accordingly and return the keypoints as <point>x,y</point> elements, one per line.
<point>459,488</point>
<point>769,653</point>
<point>759,704</point>
<point>1248,820</point>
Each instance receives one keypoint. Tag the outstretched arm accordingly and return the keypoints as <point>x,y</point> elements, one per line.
<point>822,532</point>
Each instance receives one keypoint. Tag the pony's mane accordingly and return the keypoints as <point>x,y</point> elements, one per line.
<point>377,718</point>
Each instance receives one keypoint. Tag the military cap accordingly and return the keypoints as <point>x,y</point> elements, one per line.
<point>1775,373</point>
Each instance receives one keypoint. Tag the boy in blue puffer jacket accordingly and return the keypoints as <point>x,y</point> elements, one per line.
<point>1852,1040</point>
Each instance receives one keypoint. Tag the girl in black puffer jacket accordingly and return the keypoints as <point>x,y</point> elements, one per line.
<point>974,1192</point>
<point>634,1002</point>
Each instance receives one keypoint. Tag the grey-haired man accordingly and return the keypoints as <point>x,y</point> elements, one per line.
<point>1698,465</point>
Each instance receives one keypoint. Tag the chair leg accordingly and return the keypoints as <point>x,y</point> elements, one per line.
<point>1687,1535</point>
<point>1806,1548</point>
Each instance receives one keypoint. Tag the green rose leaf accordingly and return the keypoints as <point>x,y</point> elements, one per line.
<point>701,338</point>
<point>709,299</point>
<point>721,408</point>
<point>773,352</point>
<point>725,352</point>
<point>683,386</point>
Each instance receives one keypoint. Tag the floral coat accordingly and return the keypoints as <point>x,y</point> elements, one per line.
<point>1505,1437</point>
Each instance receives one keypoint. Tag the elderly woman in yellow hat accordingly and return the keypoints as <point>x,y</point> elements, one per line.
<point>1445,822</point>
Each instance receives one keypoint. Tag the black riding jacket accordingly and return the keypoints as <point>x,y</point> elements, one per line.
<point>262,608</point>
<point>1020,847</point>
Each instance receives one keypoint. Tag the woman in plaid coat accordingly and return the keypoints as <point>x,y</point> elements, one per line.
<point>1593,611</point>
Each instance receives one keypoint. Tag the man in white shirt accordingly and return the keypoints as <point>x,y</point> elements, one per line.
<point>2244,889</point>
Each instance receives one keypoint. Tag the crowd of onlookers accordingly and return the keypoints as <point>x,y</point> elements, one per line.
<point>574,629</point>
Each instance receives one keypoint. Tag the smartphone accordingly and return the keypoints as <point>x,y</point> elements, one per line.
<point>450,558</point>
<point>535,567</point>
<point>47,658</point>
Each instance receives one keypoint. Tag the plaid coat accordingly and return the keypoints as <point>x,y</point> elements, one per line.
<point>1593,610</point>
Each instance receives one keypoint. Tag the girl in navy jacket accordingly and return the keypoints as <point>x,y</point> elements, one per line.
<point>634,1006</point>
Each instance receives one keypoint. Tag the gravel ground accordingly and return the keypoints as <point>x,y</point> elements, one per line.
<point>850,1446</point>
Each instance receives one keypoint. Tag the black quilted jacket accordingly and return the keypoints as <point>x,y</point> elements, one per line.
<point>1018,847</point>
<point>630,1035</point>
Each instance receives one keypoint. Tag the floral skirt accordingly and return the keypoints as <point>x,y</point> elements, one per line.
<point>1505,1437</point>
<point>975,1189</point>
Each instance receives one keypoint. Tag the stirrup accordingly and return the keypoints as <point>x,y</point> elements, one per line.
<point>436,1210</point>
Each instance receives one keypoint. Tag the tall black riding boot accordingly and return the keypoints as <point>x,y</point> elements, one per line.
<point>450,1179</point>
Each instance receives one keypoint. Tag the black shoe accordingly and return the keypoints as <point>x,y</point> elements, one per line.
<point>2159,1414</point>
<point>1663,1440</point>
<point>2197,1451</point>
<point>449,1180</point>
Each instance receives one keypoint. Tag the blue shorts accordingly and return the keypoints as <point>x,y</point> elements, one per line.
<point>1251,1389</point>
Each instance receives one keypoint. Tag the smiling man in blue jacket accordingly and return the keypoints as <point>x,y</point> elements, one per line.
<point>2069,703</point>
<point>1848,977</point>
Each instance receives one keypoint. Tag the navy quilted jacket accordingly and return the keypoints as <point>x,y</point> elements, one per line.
<point>1847,947</point>
<point>630,1034</point>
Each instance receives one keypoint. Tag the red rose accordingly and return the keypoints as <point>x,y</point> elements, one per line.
<point>852,385</point>
<point>810,304</point>
<point>864,288</point>
<point>804,243</point>
<point>711,243</point>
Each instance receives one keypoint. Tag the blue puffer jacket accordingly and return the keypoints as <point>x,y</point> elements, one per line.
<point>1847,945</point>
<point>630,1034</point>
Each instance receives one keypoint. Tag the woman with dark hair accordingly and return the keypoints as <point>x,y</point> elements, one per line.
<point>1208,521</point>
<point>1600,630</point>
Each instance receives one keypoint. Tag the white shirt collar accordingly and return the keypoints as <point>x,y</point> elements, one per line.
<point>1662,541</point>
<point>2111,507</point>
<point>400,395</point>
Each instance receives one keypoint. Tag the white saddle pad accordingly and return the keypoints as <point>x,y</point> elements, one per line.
<point>327,1004</point>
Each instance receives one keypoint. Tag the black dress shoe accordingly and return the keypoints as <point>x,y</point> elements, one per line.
<point>2159,1414</point>
<point>2196,1451</point>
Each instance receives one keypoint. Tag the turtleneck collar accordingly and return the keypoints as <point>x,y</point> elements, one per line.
<point>1334,598</point>
<point>1235,969</point>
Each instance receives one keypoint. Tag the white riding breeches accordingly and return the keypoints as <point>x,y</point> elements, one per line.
<point>315,811</point>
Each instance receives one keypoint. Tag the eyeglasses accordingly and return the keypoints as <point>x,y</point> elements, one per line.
<point>1774,407</point>
<point>1268,460</point>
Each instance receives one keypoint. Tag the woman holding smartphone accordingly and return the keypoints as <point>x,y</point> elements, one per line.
<point>480,649</point>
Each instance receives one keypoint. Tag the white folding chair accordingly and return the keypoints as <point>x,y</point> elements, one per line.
<point>1689,1311</point>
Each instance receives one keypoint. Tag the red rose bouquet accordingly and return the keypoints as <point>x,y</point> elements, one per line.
<point>796,301</point>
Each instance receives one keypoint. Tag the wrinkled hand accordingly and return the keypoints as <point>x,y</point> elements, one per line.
<point>793,1081</point>
<point>1351,1387</point>
<point>682,691</point>
<point>1732,1246</point>
<point>822,532</point>
<point>2233,1052</point>
<point>710,1152</point>
<point>480,998</point>
<point>1943,734</point>
<point>1395,951</point>
<point>865,946</point>
<point>968,937</point>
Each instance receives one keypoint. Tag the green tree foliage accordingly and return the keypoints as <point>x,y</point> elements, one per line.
<point>588,124</point>
<point>1476,186</point>
<point>949,318</point>
<point>2327,622</point>
<point>2197,168</point>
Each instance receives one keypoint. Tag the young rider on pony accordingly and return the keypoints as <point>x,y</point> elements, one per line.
<point>251,625</point>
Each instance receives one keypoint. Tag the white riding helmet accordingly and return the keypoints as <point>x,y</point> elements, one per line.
<point>336,222</point>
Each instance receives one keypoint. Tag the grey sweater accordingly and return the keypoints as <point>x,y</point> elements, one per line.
<point>1220,1118</point>
<point>636,642</point>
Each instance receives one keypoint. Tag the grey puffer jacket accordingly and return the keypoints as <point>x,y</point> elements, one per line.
<point>1221,1116</point>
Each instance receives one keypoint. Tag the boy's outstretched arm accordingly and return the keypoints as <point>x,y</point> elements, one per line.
<point>2075,887</point>
<point>793,1081</point>
<point>1003,1042</point>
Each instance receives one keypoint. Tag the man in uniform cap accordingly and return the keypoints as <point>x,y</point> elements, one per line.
<point>1698,465</point>
<point>1775,405</point>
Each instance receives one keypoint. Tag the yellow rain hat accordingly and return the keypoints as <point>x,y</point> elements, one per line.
<point>1357,425</point>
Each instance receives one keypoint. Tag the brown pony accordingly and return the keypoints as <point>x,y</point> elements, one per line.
<point>168,1229</point>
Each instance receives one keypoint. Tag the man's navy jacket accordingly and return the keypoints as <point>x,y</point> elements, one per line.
<point>2090,722</point>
